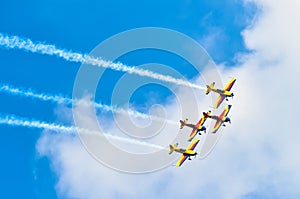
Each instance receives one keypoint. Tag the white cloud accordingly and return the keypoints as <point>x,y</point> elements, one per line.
<point>80,176</point>
<point>257,154</point>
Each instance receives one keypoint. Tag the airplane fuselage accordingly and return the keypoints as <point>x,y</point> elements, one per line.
<point>222,92</point>
<point>218,118</point>
<point>193,126</point>
<point>214,117</point>
<point>186,152</point>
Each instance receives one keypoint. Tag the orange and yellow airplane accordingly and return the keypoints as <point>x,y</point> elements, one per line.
<point>186,153</point>
<point>196,127</point>
<point>224,94</point>
<point>221,119</point>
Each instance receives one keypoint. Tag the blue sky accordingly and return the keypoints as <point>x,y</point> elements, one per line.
<point>80,26</point>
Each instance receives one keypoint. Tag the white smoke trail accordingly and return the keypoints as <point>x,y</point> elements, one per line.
<point>26,44</point>
<point>59,99</point>
<point>18,121</point>
<point>32,94</point>
<point>12,120</point>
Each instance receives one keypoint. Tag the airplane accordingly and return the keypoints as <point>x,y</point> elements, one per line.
<point>196,127</point>
<point>224,94</point>
<point>221,119</point>
<point>186,153</point>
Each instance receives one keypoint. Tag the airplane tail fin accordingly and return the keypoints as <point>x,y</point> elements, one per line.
<point>182,123</point>
<point>209,87</point>
<point>206,115</point>
<point>172,148</point>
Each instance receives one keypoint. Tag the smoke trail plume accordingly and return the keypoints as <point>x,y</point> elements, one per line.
<point>12,120</point>
<point>59,99</point>
<point>15,42</point>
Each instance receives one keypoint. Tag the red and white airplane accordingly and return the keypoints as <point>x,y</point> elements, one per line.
<point>196,127</point>
<point>221,119</point>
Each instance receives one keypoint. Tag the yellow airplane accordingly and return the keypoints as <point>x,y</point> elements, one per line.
<point>186,153</point>
<point>224,94</point>
<point>221,119</point>
<point>196,127</point>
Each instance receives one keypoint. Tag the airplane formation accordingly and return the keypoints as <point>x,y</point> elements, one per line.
<point>198,127</point>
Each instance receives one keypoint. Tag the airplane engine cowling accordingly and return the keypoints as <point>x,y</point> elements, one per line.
<point>201,128</point>
<point>227,119</point>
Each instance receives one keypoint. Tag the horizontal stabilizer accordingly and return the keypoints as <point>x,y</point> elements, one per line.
<point>172,148</point>
<point>206,115</point>
<point>182,123</point>
<point>209,88</point>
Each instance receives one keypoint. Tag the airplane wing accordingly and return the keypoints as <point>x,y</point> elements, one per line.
<point>194,131</point>
<point>226,88</point>
<point>184,157</point>
<point>219,101</point>
<point>192,135</point>
<point>222,115</point>
<point>181,160</point>
<point>225,112</point>
<point>193,145</point>
<point>201,121</point>
<point>230,84</point>
<point>216,127</point>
